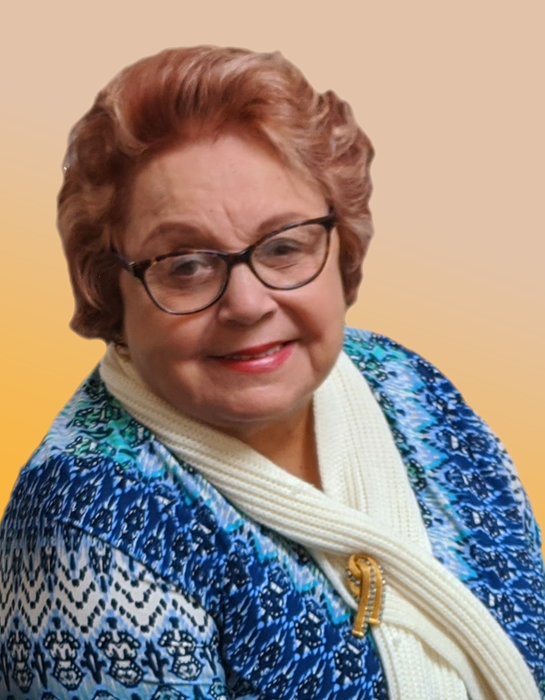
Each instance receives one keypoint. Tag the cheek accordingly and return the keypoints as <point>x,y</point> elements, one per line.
<point>149,332</point>
<point>334,305</point>
<point>333,299</point>
<point>321,307</point>
<point>158,341</point>
<point>324,311</point>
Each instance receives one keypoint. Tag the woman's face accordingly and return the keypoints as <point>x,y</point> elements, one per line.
<point>256,356</point>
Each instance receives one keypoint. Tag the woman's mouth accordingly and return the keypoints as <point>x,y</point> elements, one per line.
<point>259,358</point>
<point>255,353</point>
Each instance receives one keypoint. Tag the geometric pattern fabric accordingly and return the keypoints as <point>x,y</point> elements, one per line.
<point>125,575</point>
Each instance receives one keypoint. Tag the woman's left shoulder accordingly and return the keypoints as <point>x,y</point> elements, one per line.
<point>443,442</point>
<point>379,358</point>
<point>403,380</point>
<point>427,414</point>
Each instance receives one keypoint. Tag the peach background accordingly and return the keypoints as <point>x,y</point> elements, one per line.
<point>452,97</point>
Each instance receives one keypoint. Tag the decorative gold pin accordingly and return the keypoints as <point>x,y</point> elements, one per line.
<point>366,583</point>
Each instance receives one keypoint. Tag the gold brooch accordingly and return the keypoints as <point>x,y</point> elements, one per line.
<point>366,583</point>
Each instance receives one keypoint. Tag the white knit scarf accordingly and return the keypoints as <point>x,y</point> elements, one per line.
<point>437,641</point>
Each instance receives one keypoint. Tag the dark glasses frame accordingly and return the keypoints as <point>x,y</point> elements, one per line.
<point>139,268</point>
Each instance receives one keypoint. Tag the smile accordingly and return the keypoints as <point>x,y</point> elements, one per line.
<point>255,353</point>
<point>257,359</point>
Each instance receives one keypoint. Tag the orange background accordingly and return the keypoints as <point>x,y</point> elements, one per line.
<point>451,95</point>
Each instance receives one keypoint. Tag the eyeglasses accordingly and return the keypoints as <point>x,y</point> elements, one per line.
<point>192,280</point>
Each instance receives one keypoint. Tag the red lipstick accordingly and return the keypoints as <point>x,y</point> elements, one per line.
<point>258,358</point>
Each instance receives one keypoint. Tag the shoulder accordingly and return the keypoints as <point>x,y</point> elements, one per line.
<point>90,441</point>
<point>404,381</point>
<point>100,472</point>
<point>432,424</point>
<point>96,553</point>
<point>379,357</point>
<point>456,464</point>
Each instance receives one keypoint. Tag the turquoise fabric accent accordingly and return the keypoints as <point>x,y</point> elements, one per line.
<point>125,575</point>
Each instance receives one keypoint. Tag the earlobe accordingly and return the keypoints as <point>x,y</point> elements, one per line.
<point>122,349</point>
<point>120,341</point>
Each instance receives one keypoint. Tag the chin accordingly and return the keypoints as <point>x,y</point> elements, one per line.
<point>252,415</point>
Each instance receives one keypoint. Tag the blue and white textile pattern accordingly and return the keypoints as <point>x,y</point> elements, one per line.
<point>125,575</point>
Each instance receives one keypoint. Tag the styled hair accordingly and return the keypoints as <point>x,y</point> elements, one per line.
<point>161,100</point>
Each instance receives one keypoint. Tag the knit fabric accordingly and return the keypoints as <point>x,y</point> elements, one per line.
<point>379,517</point>
<point>125,574</point>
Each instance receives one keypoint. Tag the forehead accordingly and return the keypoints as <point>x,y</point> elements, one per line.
<point>227,188</point>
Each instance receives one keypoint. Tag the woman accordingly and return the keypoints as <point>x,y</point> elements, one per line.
<point>248,500</point>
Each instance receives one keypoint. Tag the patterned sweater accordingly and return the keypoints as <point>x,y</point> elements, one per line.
<point>125,575</point>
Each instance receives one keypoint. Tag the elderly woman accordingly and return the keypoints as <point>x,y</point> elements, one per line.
<point>246,499</point>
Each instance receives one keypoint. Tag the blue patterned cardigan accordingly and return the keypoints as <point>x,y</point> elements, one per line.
<point>125,575</point>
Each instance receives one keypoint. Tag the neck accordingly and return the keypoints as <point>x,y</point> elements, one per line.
<point>289,444</point>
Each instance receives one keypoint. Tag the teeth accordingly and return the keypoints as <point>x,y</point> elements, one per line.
<point>266,353</point>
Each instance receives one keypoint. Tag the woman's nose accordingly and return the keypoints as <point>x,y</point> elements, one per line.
<point>246,300</point>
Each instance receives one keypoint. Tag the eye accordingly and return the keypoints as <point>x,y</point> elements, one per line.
<point>289,248</point>
<point>281,247</point>
<point>188,265</point>
<point>186,271</point>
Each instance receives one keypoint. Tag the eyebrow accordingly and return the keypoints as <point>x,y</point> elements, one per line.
<point>198,234</point>
<point>179,228</point>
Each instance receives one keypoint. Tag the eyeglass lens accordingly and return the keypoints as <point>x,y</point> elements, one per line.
<point>191,281</point>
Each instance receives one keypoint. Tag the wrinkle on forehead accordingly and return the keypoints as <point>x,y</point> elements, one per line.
<point>229,188</point>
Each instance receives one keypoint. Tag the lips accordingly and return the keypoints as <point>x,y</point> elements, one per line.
<point>257,359</point>
<point>255,353</point>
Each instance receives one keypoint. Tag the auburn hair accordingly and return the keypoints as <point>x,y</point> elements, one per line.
<point>160,101</point>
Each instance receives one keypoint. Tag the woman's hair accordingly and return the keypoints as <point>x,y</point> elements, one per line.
<point>160,101</point>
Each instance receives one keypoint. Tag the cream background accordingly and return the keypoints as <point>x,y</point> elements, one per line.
<point>451,95</point>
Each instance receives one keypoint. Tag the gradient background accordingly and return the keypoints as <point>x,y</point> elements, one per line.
<point>451,95</point>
